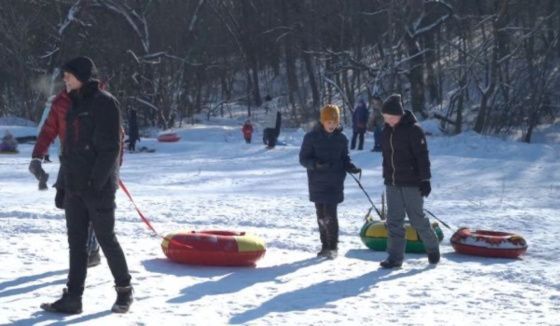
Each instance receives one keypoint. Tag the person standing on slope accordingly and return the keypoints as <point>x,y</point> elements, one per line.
<point>53,126</point>
<point>91,158</point>
<point>406,171</point>
<point>324,153</point>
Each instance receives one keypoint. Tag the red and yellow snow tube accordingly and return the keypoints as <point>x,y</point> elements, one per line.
<point>488,243</point>
<point>168,137</point>
<point>215,248</point>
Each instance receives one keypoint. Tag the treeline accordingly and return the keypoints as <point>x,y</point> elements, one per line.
<point>489,65</point>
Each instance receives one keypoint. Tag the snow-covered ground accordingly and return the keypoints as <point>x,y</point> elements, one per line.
<point>211,179</point>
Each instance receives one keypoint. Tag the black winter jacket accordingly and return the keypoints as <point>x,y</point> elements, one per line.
<point>325,185</point>
<point>92,144</point>
<point>405,153</point>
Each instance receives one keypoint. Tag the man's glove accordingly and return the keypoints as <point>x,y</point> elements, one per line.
<point>59,198</point>
<point>353,169</point>
<point>37,170</point>
<point>322,166</point>
<point>425,188</point>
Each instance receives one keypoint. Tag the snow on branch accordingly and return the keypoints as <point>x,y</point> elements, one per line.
<point>137,22</point>
<point>195,15</point>
<point>146,103</point>
<point>433,15</point>
<point>155,58</point>
<point>50,53</point>
<point>70,17</point>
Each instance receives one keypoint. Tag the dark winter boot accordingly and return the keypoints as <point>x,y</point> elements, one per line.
<point>433,257</point>
<point>68,304</point>
<point>389,263</point>
<point>331,254</point>
<point>94,258</point>
<point>43,181</point>
<point>323,252</point>
<point>124,299</point>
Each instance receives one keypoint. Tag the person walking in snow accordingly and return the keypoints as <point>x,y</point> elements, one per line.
<point>324,153</point>
<point>133,133</point>
<point>53,126</point>
<point>406,171</point>
<point>359,124</point>
<point>272,125</point>
<point>91,157</point>
<point>247,131</point>
<point>376,123</point>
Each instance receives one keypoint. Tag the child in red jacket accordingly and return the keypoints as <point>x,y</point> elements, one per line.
<point>247,130</point>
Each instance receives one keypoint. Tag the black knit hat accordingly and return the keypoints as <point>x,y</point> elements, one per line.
<point>393,105</point>
<point>82,68</point>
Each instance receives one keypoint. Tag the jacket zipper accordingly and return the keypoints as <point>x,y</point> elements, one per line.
<point>392,156</point>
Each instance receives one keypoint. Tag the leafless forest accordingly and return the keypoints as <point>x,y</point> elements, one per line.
<point>487,65</point>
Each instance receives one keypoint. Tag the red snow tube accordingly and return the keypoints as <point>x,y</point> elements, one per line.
<point>168,137</point>
<point>216,248</point>
<point>488,243</point>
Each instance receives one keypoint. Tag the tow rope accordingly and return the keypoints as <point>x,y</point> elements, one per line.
<point>369,198</point>
<point>146,221</point>
<point>144,218</point>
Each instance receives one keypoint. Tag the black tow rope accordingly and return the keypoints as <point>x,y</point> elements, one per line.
<point>442,222</point>
<point>369,198</point>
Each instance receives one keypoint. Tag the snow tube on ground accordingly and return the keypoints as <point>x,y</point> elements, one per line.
<point>488,243</point>
<point>374,236</point>
<point>168,137</point>
<point>211,247</point>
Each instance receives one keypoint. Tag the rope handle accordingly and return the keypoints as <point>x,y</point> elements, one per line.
<point>369,198</point>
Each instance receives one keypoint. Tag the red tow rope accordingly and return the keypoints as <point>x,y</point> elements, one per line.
<point>123,187</point>
<point>145,219</point>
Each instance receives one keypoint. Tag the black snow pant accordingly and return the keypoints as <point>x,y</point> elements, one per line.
<point>132,145</point>
<point>92,244</point>
<point>328,225</point>
<point>269,137</point>
<point>355,135</point>
<point>99,208</point>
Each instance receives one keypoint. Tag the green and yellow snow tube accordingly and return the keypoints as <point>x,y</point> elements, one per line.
<point>374,236</point>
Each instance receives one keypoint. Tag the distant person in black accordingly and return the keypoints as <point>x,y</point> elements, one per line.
<point>272,124</point>
<point>133,134</point>
<point>359,124</point>
<point>376,123</point>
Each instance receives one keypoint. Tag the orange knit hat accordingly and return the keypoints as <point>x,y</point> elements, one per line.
<point>330,112</point>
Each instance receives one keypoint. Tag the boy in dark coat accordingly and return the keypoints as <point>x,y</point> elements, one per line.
<point>324,153</point>
<point>406,170</point>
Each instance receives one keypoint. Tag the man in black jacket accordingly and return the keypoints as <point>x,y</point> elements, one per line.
<point>406,170</point>
<point>91,153</point>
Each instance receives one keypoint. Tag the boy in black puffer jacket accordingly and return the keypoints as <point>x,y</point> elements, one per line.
<point>324,153</point>
<point>406,170</point>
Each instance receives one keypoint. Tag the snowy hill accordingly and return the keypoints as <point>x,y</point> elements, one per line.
<point>211,179</point>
